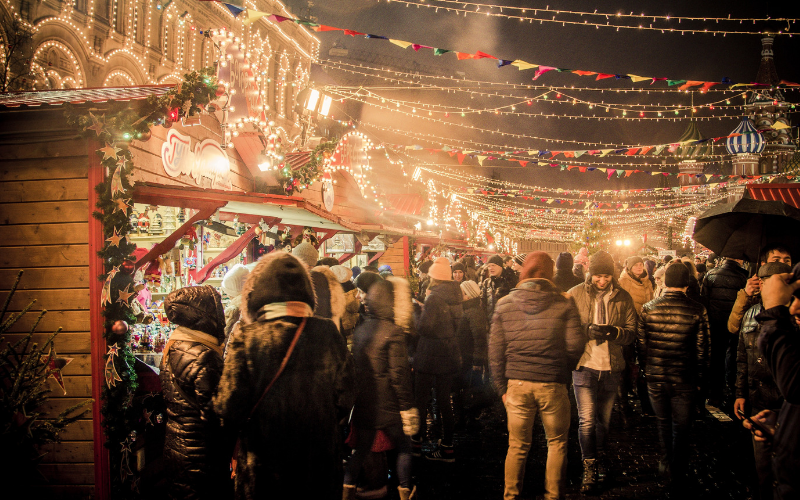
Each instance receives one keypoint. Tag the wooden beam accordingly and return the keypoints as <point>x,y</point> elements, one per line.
<point>375,257</point>
<point>347,256</point>
<point>233,250</point>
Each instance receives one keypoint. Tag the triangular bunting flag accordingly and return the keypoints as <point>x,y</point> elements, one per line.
<point>438,52</point>
<point>584,73</point>
<point>578,154</point>
<point>353,33</point>
<point>480,159</point>
<point>542,70</point>
<point>602,76</point>
<point>482,55</point>
<point>632,151</point>
<point>322,27</point>
<point>235,10</point>
<point>462,55</point>
<point>400,43</point>
<point>611,172</point>
<point>637,79</point>
<point>645,150</point>
<point>253,16</point>
<point>523,65</point>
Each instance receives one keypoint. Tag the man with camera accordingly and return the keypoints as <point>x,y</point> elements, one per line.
<point>608,316</point>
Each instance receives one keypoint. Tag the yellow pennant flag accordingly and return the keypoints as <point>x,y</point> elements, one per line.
<point>780,125</point>
<point>253,16</point>
<point>604,152</point>
<point>655,173</point>
<point>603,170</point>
<point>401,43</point>
<point>533,152</point>
<point>625,205</point>
<point>550,201</point>
<point>481,158</point>
<point>635,78</point>
<point>524,65</point>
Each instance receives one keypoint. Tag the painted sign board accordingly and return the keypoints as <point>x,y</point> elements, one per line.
<point>208,164</point>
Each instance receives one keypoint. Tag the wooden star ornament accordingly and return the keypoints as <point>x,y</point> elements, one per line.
<point>124,296</point>
<point>122,205</point>
<point>54,366</point>
<point>98,124</point>
<point>115,238</point>
<point>110,152</point>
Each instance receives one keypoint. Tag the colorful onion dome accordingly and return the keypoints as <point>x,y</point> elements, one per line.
<point>750,142</point>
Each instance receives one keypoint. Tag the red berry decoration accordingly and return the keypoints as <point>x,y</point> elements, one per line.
<point>119,327</point>
<point>127,266</point>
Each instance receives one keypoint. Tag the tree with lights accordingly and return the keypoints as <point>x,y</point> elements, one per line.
<point>592,236</point>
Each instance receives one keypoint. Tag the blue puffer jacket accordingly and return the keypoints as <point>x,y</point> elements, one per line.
<point>437,349</point>
<point>536,335</point>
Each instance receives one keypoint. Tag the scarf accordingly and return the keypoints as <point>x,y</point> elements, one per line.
<point>279,309</point>
<point>188,335</point>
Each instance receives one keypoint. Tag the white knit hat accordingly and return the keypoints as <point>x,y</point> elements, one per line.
<point>234,280</point>
<point>342,273</point>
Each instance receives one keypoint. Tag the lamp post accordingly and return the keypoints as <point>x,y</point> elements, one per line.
<point>669,234</point>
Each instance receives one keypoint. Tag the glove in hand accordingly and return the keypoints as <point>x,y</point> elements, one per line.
<point>410,421</point>
<point>596,332</point>
<point>601,333</point>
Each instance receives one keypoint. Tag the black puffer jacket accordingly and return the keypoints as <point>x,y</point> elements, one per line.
<point>437,348</point>
<point>719,289</point>
<point>383,376</point>
<point>196,451</point>
<point>564,279</point>
<point>536,335</point>
<point>495,288</point>
<point>473,334</point>
<point>754,381</point>
<point>673,339</point>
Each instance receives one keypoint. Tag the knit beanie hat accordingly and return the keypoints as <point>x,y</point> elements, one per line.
<point>537,265</point>
<point>365,280</point>
<point>564,261</point>
<point>356,271</point>
<point>440,270</point>
<point>233,281</point>
<point>659,273</point>
<point>771,268</point>
<point>385,267</point>
<point>458,266</point>
<point>520,259</point>
<point>425,266</point>
<point>632,261</point>
<point>601,263</point>
<point>307,254</point>
<point>471,288</point>
<point>496,259</point>
<point>342,273</point>
<point>676,276</point>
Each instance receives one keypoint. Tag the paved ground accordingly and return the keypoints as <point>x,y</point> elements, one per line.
<point>721,465</point>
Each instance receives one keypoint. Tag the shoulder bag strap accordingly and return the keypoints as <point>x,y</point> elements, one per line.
<point>280,369</point>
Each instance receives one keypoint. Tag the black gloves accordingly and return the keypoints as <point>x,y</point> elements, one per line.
<point>601,333</point>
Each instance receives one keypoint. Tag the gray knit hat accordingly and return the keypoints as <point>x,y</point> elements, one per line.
<point>307,254</point>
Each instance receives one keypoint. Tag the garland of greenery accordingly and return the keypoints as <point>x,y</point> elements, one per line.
<point>304,176</point>
<point>121,123</point>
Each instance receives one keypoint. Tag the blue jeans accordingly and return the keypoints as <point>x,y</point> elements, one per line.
<point>365,437</point>
<point>674,407</point>
<point>595,393</point>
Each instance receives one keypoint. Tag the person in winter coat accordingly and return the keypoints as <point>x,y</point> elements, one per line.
<point>289,436</point>
<point>650,268</point>
<point>658,277</point>
<point>470,269</point>
<point>437,358</point>
<point>499,282</point>
<point>422,275</point>
<point>633,280</point>
<point>384,397</point>
<point>779,343</point>
<point>535,342</point>
<point>580,271</point>
<point>363,283</point>
<point>331,302</point>
<point>673,344</point>
<point>564,278</point>
<point>755,387</point>
<point>350,316</point>
<point>608,318</point>
<point>718,294</point>
<point>693,290</point>
<point>473,336</point>
<point>458,273</point>
<point>232,285</point>
<point>196,450</point>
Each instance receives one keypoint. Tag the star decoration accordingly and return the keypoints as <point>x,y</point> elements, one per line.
<point>113,272</point>
<point>122,204</point>
<point>116,181</point>
<point>147,415</point>
<point>97,124</point>
<point>113,350</point>
<point>115,239</point>
<point>54,366</point>
<point>124,296</point>
<point>110,151</point>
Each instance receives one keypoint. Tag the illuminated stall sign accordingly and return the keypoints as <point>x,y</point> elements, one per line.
<point>208,160</point>
<point>340,243</point>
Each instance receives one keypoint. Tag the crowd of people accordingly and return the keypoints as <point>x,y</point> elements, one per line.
<point>313,370</point>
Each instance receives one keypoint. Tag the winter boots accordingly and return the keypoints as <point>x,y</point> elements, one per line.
<point>407,493</point>
<point>589,481</point>
<point>442,453</point>
<point>349,492</point>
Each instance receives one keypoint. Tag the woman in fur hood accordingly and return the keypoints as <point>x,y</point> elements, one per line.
<point>331,301</point>
<point>290,441</point>
<point>384,398</point>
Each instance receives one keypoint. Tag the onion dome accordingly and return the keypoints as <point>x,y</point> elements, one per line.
<point>693,149</point>
<point>750,142</point>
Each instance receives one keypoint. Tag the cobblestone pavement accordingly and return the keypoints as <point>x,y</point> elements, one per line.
<point>721,465</point>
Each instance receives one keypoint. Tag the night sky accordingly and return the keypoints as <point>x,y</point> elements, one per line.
<point>605,50</point>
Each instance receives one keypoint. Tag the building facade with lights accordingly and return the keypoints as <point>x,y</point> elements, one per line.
<point>115,43</point>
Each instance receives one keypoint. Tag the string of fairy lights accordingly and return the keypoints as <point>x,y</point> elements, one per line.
<point>641,21</point>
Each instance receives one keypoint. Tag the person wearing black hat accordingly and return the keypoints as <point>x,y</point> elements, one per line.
<point>288,425</point>
<point>755,387</point>
<point>608,318</point>
<point>458,272</point>
<point>673,346</point>
<point>497,284</point>
<point>564,278</point>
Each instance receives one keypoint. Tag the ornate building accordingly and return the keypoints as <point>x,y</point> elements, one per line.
<point>104,43</point>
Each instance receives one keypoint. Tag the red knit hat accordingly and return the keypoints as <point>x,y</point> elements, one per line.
<point>537,265</point>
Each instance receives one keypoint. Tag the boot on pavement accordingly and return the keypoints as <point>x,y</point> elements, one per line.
<point>589,481</point>
<point>407,493</point>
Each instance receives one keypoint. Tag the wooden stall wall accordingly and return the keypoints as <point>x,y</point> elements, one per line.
<point>396,255</point>
<point>44,214</point>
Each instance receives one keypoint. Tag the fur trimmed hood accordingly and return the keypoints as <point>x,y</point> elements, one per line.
<point>277,277</point>
<point>403,310</point>
<point>330,298</point>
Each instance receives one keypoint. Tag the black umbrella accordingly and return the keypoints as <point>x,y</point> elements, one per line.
<point>742,230</point>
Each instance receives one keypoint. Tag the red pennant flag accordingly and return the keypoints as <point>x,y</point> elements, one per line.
<point>542,70</point>
<point>584,73</point>
<point>632,151</point>
<point>481,55</point>
<point>461,56</point>
<point>555,153</point>
<point>326,28</point>
<point>611,171</point>
<point>570,167</point>
<point>352,33</point>
<point>276,17</point>
<point>708,85</point>
<point>581,169</point>
<point>569,154</point>
<point>522,163</point>
<point>690,83</point>
<point>628,173</point>
<point>461,157</point>
<point>645,150</point>
<point>602,76</point>
<point>451,153</point>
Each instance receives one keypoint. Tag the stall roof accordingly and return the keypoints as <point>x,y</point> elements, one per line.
<point>81,96</point>
<point>406,204</point>
<point>789,193</point>
<point>290,210</point>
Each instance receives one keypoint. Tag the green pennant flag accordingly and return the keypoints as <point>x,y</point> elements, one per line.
<point>675,82</point>
<point>438,52</point>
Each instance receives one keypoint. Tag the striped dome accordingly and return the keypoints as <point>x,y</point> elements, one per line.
<point>748,143</point>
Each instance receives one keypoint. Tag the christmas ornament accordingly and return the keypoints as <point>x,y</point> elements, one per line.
<point>110,152</point>
<point>54,366</point>
<point>115,238</point>
<point>111,375</point>
<point>97,124</point>
<point>119,327</point>
<point>127,266</point>
<point>125,295</point>
<point>121,205</point>
<point>105,293</point>
<point>116,181</point>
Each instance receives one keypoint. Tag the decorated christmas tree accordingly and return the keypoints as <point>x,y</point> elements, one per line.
<point>592,236</point>
<point>25,367</point>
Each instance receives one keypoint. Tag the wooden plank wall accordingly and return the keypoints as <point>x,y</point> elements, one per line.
<point>43,229</point>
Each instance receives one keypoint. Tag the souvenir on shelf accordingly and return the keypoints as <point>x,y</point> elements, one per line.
<point>181,216</point>
<point>134,221</point>
<point>156,224</point>
<point>144,223</point>
<point>169,223</point>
